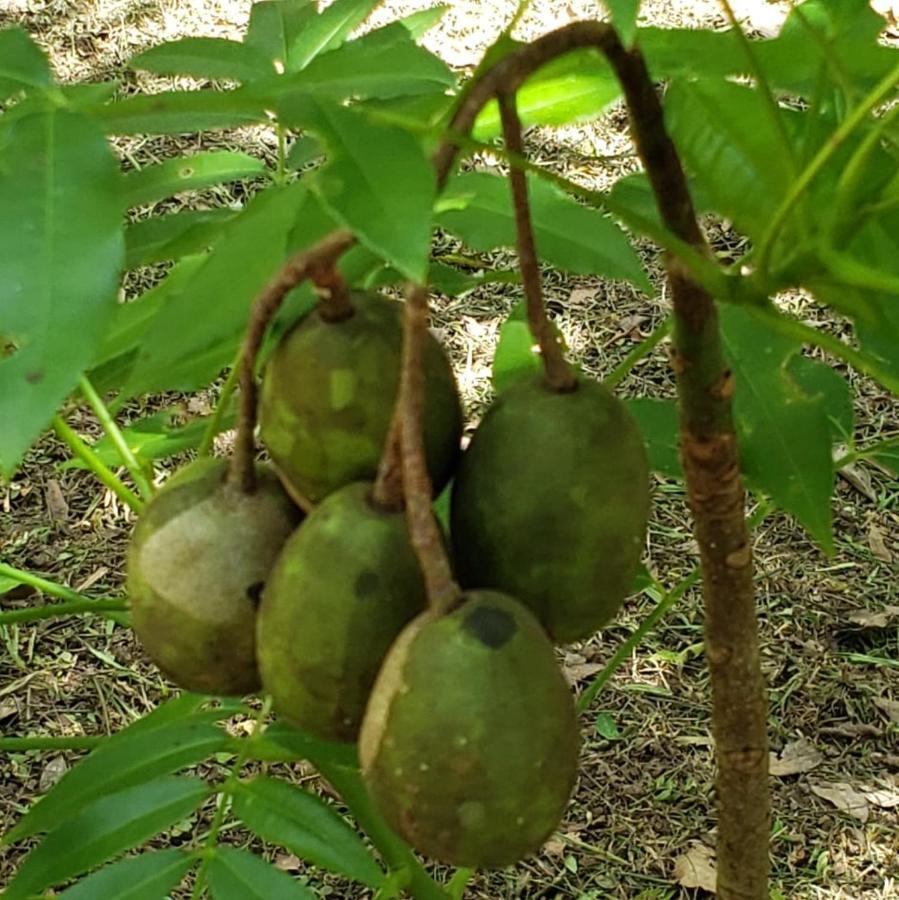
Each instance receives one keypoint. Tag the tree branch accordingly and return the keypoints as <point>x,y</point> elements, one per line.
<point>559,375</point>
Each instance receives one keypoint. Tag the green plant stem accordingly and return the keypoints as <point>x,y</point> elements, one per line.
<point>281,172</point>
<point>820,160</point>
<point>55,610</point>
<point>112,429</point>
<point>226,791</point>
<point>89,457</point>
<point>51,588</point>
<point>23,744</point>
<point>348,783</point>
<point>622,654</point>
<point>457,884</point>
<point>641,351</point>
<point>215,421</point>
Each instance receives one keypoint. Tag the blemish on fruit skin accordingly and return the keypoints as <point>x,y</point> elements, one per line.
<point>398,771</point>
<point>461,741</point>
<point>519,821</point>
<point>341,388</point>
<point>366,585</point>
<point>491,626</point>
<point>423,767</point>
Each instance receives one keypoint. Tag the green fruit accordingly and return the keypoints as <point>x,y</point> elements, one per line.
<point>550,504</point>
<point>343,588</point>
<point>328,396</point>
<point>470,742</point>
<point>197,562</point>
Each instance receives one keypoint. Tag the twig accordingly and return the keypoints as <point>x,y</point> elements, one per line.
<point>443,592</point>
<point>299,267</point>
<point>559,375</point>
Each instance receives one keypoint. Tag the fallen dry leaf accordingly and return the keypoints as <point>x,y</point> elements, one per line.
<point>57,507</point>
<point>287,862</point>
<point>798,756</point>
<point>52,772</point>
<point>877,543</point>
<point>581,296</point>
<point>885,798</point>
<point>696,868</point>
<point>845,797</point>
<point>869,619</point>
<point>581,671</point>
<point>890,707</point>
<point>554,847</point>
<point>860,480</point>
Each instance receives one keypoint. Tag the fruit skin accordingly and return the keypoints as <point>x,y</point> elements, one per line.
<point>344,586</point>
<point>469,745</point>
<point>328,395</point>
<point>550,504</point>
<point>197,561</point>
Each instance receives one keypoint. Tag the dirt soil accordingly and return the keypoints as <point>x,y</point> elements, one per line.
<point>641,821</point>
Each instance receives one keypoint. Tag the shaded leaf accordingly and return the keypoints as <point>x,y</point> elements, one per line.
<point>173,236</point>
<point>303,151</point>
<point>784,436</point>
<point>328,30</point>
<point>149,876</point>
<point>844,797</point>
<point>56,168</point>
<point>658,424</point>
<point>606,727</point>
<point>887,454</point>
<point>240,875</point>
<point>188,173</point>
<point>181,112</point>
<point>287,815</point>
<point>302,745</point>
<point>106,827</point>
<point>796,757</point>
<point>477,207</point>
<point>696,868</point>
<point>378,183</point>
<point>195,333</point>
<point>275,24</point>
<point>576,87</point>
<point>517,354</point>
<point>624,18</point>
<point>126,759</point>
<point>22,63</point>
<point>820,381</point>
<point>204,57</point>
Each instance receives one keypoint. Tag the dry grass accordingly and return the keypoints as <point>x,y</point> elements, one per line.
<point>643,798</point>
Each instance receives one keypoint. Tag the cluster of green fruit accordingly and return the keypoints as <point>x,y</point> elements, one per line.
<point>467,732</point>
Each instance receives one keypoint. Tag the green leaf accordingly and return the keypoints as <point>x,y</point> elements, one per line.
<point>658,424</point>
<point>624,18</point>
<point>22,63</point>
<point>328,30</point>
<point>173,236</point>
<point>606,727</point>
<point>7,584</point>
<point>287,815</point>
<point>516,355</point>
<point>477,207</point>
<point>87,96</point>
<point>107,827</point>
<point>188,173</point>
<point>304,150</point>
<point>784,435</point>
<point>204,57</point>
<point>577,87</point>
<point>157,436</point>
<point>302,745</point>
<point>887,454</point>
<point>383,64</point>
<point>275,24</point>
<point>731,147</point>
<point>196,332</point>
<point>378,183</point>
<point>181,112</point>
<point>149,876</point>
<point>693,51</point>
<point>819,381</point>
<point>128,758</point>
<point>240,875</point>
<point>420,23</point>
<point>56,280</point>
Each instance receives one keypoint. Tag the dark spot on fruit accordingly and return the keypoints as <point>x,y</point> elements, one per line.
<point>367,584</point>
<point>34,377</point>
<point>491,626</point>
<point>254,592</point>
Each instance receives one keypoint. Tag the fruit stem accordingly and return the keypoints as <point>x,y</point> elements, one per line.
<point>387,494</point>
<point>443,592</point>
<point>300,266</point>
<point>335,304</point>
<point>90,458</point>
<point>558,374</point>
<point>214,425</point>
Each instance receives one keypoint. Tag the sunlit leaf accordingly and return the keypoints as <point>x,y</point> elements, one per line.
<point>328,30</point>
<point>173,236</point>
<point>421,22</point>
<point>516,355</point>
<point>204,57</point>
<point>22,63</point>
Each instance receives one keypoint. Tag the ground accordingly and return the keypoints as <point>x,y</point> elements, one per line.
<point>829,626</point>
